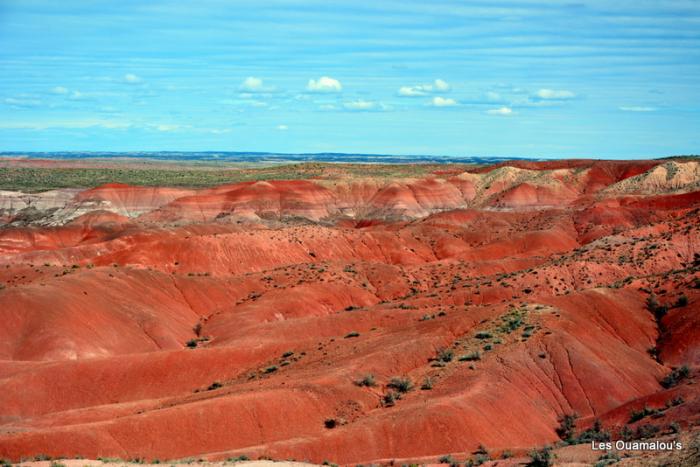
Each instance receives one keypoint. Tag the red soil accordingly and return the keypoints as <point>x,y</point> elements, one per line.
<point>292,291</point>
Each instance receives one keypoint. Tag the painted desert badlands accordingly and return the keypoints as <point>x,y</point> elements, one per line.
<point>476,312</point>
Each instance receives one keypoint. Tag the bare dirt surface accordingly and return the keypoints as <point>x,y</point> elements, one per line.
<point>355,319</point>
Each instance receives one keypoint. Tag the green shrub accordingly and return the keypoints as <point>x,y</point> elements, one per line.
<point>448,459</point>
<point>637,415</point>
<point>595,433</point>
<point>390,398</point>
<point>608,458</point>
<point>567,427</point>
<point>541,457</point>
<point>470,357</point>
<point>646,431</point>
<point>445,355</point>
<point>330,423</point>
<point>675,377</point>
<point>367,381</point>
<point>655,307</point>
<point>401,384</point>
<point>682,301</point>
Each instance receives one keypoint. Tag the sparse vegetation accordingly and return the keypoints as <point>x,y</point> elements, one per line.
<point>445,355</point>
<point>675,377</point>
<point>637,415</point>
<point>567,427</point>
<point>330,423</point>
<point>366,381</point>
<point>470,357</point>
<point>541,457</point>
<point>608,458</point>
<point>402,385</point>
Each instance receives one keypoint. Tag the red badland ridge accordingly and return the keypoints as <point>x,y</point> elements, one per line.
<point>268,318</point>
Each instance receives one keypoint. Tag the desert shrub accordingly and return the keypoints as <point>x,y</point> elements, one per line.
<point>367,381</point>
<point>448,459</point>
<point>330,423</point>
<point>390,398</point>
<point>675,377</point>
<point>567,427</point>
<point>637,415</point>
<point>541,457</point>
<point>682,301</point>
<point>646,431</point>
<point>655,307</point>
<point>608,458</point>
<point>238,459</point>
<point>287,354</point>
<point>595,433</point>
<point>271,369</point>
<point>401,384</point>
<point>445,355</point>
<point>483,335</point>
<point>214,385</point>
<point>427,384</point>
<point>470,357</point>
<point>675,401</point>
<point>352,334</point>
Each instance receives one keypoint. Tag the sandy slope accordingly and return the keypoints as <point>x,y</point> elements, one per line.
<point>238,320</point>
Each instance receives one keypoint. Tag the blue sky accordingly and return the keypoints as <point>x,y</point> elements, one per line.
<point>532,78</point>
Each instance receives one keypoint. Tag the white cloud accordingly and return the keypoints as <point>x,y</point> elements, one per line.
<point>504,111</point>
<point>411,91</point>
<point>418,90</point>
<point>443,102</point>
<point>22,102</point>
<point>493,96</point>
<point>282,127</point>
<point>59,90</point>
<point>75,95</point>
<point>442,85</point>
<point>167,127</point>
<point>218,131</point>
<point>555,94</point>
<point>324,84</point>
<point>360,105</point>
<point>327,107</point>
<point>132,78</point>
<point>636,108</point>
<point>252,84</point>
<point>49,124</point>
